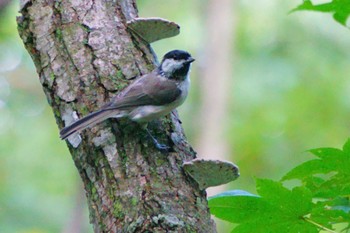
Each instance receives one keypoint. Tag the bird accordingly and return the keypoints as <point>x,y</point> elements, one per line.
<point>149,97</point>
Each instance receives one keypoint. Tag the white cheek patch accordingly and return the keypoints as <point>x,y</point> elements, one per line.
<point>167,65</point>
<point>170,65</point>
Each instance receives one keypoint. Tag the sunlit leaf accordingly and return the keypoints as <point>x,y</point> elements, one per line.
<point>276,210</point>
<point>331,159</point>
<point>238,208</point>
<point>276,225</point>
<point>346,147</point>
<point>304,170</point>
<point>326,153</point>
<point>339,8</point>
<point>296,202</point>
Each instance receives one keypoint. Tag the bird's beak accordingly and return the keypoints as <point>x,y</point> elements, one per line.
<point>190,60</point>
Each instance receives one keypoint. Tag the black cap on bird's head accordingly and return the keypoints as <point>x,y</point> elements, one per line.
<point>177,55</point>
<point>176,64</point>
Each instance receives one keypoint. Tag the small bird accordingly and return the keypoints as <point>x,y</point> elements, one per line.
<point>149,97</point>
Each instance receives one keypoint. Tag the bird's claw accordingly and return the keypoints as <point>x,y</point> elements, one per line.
<point>162,147</point>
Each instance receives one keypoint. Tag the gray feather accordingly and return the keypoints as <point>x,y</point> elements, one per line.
<point>83,123</point>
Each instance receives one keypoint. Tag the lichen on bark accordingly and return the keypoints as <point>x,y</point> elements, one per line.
<point>84,55</point>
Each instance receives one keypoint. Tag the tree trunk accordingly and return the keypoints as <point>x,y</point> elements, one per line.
<point>84,55</point>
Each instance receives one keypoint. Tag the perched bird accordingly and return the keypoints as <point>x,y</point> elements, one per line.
<point>149,97</point>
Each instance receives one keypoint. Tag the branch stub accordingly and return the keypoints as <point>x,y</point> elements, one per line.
<point>153,29</point>
<point>209,173</point>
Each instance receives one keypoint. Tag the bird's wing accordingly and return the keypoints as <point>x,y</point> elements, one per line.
<point>148,90</point>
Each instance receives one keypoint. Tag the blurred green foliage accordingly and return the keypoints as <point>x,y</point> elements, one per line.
<point>289,93</point>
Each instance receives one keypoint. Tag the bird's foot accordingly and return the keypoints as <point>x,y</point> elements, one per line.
<point>161,147</point>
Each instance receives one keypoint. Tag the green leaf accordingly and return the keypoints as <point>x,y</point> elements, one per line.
<point>346,147</point>
<point>338,185</point>
<point>276,225</point>
<point>313,183</point>
<point>339,8</point>
<point>331,160</point>
<point>326,213</point>
<point>321,201</point>
<point>295,203</point>
<point>308,169</point>
<point>278,208</point>
<point>326,153</point>
<point>342,203</point>
<point>238,208</point>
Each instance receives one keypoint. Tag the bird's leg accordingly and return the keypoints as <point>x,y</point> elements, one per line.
<point>159,146</point>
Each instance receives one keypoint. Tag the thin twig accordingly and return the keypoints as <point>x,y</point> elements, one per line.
<point>319,225</point>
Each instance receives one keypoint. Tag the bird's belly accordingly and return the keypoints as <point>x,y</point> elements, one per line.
<point>150,112</point>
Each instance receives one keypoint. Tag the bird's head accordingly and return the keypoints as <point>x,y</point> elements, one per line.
<point>176,64</point>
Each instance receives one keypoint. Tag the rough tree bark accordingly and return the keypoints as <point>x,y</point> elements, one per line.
<point>84,55</point>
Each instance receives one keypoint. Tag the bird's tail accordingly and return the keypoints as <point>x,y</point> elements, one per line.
<point>83,123</point>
